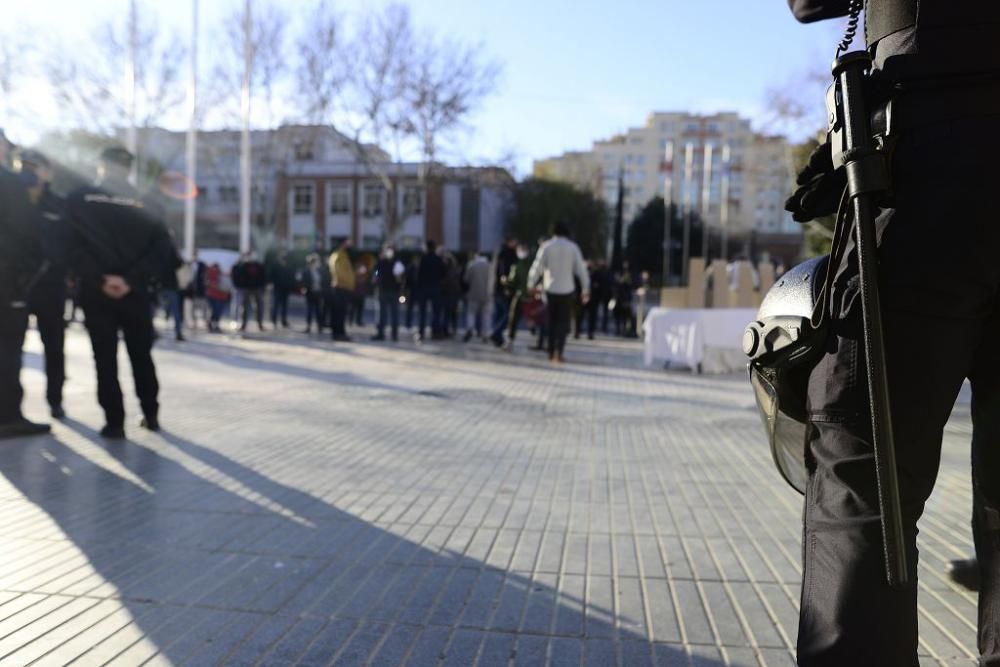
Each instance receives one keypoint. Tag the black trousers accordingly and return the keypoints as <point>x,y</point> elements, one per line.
<point>940,280</point>
<point>105,319</point>
<point>314,310</point>
<point>252,298</point>
<point>560,310</point>
<point>339,303</point>
<point>388,312</point>
<point>279,307</point>
<point>48,305</point>
<point>13,324</point>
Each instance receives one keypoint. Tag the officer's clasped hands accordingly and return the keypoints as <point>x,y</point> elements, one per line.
<point>115,287</point>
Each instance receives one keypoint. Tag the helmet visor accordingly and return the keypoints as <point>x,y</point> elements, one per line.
<point>787,436</point>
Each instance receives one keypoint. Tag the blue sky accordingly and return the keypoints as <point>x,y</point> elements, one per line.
<point>573,71</point>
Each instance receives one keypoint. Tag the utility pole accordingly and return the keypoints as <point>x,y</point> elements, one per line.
<point>724,214</point>
<point>131,88</point>
<point>192,142</point>
<point>245,164</point>
<point>688,176</point>
<point>706,201</point>
<point>668,191</point>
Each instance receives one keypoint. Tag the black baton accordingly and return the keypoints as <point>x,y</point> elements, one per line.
<point>867,178</point>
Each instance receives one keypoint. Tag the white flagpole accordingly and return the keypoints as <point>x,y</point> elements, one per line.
<point>192,141</point>
<point>245,138</point>
<point>724,215</point>
<point>668,190</point>
<point>688,176</point>
<point>131,87</point>
<point>706,201</point>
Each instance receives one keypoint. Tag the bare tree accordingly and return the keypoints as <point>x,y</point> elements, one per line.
<point>88,84</point>
<point>395,92</point>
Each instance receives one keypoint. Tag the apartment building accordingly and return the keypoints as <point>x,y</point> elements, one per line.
<point>713,164</point>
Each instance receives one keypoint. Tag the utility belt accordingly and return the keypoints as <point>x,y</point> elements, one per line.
<point>915,104</point>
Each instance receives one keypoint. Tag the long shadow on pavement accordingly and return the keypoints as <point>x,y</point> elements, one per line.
<point>217,563</point>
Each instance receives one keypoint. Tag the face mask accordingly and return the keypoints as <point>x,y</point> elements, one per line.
<point>389,254</point>
<point>522,254</point>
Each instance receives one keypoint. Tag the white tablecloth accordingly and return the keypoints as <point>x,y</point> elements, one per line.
<point>706,339</point>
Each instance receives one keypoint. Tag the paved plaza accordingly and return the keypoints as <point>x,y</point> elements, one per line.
<point>353,504</point>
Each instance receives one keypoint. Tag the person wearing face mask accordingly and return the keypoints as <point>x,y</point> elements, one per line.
<point>47,300</point>
<point>387,278</point>
<point>20,262</point>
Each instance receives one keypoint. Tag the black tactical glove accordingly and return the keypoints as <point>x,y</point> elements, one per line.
<point>820,187</point>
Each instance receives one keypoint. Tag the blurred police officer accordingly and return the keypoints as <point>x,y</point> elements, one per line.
<point>940,282</point>
<point>47,301</point>
<point>119,242</point>
<point>20,264</point>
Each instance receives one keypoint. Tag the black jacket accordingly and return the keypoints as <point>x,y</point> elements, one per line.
<point>432,271</point>
<point>282,277</point>
<point>114,232</point>
<point>384,278</point>
<point>49,218</point>
<point>20,245</point>
<point>249,275</point>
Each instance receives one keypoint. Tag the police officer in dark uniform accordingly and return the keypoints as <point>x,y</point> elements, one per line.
<point>119,242</point>
<point>20,265</point>
<point>938,61</point>
<point>47,301</point>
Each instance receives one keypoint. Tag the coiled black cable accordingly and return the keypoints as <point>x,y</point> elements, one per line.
<point>854,13</point>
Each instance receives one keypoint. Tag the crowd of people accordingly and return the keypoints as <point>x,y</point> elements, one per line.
<point>435,294</point>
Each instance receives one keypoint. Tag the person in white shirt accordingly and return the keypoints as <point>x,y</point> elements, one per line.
<point>557,263</point>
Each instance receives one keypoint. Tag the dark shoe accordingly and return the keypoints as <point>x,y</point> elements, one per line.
<point>378,337</point>
<point>57,412</point>
<point>342,338</point>
<point>113,432</point>
<point>180,338</point>
<point>22,427</point>
<point>150,424</point>
<point>965,573</point>
<point>468,337</point>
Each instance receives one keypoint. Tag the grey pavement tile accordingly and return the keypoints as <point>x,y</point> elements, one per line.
<point>395,647</point>
<point>600,653</point>
<point>531,650</point>
<point>331,641</point>
<point>463,648</point>
<point>428,648</point>
<point>497,650</point>
<point>565,652</point>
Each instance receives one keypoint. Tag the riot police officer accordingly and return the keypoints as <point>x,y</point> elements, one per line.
<point>20,265</point>
<point>940,290</point>
<point>47,301</point>
<point>119,242</point>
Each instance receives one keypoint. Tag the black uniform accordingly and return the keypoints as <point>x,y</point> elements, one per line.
<point>113,232</point>
<point>20,260</point>
<point>47,301</point>
<point>940,282</point>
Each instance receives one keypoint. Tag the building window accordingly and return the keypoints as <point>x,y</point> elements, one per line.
<point>303,150</point>
<point>229,194</point>
<point>302,199</point>
<point>340,199</point>
<point>413,200</point>
<point>374,196</point>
